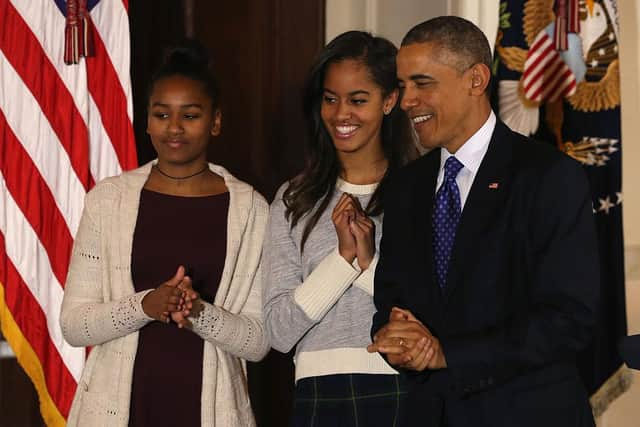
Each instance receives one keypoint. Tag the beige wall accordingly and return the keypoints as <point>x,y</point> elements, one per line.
<point>392,18</point>
<point>630,62</point>
<point>387,18</point>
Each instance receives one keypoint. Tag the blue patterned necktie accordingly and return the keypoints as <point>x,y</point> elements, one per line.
<point>446,215</point>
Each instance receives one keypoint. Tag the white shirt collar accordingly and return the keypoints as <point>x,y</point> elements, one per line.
<point>471,153</point>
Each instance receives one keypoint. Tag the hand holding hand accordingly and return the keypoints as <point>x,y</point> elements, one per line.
<point>190,304</point>
<point>407,343</point>
<point>165,299</point>
<point>427,352</point>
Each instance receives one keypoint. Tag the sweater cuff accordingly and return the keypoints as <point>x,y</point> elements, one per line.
<point>365,279</point>
<point>138,297</point>
<point>324,286</point>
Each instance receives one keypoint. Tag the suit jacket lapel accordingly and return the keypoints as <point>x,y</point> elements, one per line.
<point>485,199</point>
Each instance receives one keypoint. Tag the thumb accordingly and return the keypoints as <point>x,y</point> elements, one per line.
<point>177,278</point>
<point>401,314</point>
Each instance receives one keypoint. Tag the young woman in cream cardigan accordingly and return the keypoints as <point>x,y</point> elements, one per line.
<point>164,281</point>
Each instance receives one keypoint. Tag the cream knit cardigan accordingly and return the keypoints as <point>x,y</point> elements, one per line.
<point>102,309</point>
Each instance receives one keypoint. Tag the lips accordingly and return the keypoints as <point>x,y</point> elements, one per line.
<point>175,143</point>
<point>345,131</point>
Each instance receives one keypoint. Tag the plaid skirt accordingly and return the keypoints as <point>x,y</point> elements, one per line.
<point>349,400</point>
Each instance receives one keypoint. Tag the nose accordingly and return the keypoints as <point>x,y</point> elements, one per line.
<point>343,111</point>
<point>408,98</point>
<point>175,124</point>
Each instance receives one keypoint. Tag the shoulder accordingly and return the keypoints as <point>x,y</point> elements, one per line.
<point>112,188</point>
<point>408,175</point>
<point>543,159</point>
<point>278,207</point>
<point>244,197</point>
<point>544,166</point>
<point>279,197</point>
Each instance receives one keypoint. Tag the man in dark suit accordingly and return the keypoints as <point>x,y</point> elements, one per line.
<point>487,283</point>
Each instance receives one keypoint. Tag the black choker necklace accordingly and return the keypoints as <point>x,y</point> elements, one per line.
<point>180,177</point>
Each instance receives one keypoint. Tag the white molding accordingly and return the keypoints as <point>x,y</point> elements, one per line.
<point>371,16</point>
<point>632,263</point>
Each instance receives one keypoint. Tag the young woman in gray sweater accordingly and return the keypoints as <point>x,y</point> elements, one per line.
<point>324,229</point>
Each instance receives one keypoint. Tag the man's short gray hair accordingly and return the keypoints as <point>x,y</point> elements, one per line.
<point>456,36</point>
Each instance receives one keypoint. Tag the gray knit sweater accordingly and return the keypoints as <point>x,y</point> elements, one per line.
<point>315,300</point>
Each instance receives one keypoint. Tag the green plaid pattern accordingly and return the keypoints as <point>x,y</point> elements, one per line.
<point>349,400</point>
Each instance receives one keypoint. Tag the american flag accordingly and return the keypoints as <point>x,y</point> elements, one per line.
<point>62,128</point>
<point>546,76</point>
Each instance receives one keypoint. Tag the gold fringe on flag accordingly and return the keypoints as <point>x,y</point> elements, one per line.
<point>615,386</point>
<point>30,363</point>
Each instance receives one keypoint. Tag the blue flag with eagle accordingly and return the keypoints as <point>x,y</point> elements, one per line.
<point>557,79</point>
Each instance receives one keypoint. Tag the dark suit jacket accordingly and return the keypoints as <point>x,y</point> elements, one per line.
<point>521,292</point>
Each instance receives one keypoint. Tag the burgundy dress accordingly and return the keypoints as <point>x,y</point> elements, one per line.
<point>172,231</point>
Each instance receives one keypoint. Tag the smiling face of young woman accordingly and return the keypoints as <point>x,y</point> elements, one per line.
<point>353,107</point>
<point>181,120</point>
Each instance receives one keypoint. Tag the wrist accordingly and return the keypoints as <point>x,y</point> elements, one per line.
<point>364,261</point>
<point>348,255</point>
<point>145,304</point>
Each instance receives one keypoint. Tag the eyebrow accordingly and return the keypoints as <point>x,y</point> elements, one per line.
<point>160,104</point>
<point>416,77</point>
<point>420,77</point>
<point>354,93</point>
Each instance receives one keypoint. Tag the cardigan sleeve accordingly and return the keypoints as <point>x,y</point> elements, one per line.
<point>86,318</point>
<point>241,334</point>
<point>293,305</point>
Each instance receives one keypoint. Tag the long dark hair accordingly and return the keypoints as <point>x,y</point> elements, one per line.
<point>317,180</point>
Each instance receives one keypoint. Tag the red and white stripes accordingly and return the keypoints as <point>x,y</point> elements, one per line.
<point>546,76</point>
<point>62,128</point>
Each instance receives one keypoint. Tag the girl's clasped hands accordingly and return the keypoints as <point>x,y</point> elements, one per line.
<point>355,230</point>
<point>174,300</point>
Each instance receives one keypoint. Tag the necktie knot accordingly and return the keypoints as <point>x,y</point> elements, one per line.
<point>451,168</point>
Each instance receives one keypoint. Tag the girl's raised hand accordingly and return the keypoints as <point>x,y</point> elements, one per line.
<point>363,229</point>
<point>343,214</point>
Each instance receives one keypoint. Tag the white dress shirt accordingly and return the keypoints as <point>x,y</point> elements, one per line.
<point>470,155</point>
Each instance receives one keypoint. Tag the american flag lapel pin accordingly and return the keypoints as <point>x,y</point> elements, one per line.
<point>493,186</point>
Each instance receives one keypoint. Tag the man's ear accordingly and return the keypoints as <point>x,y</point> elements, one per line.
<point>480,75</point>
<point>217,122</point>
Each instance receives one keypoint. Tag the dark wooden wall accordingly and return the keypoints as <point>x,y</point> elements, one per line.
<point>262,51</point>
